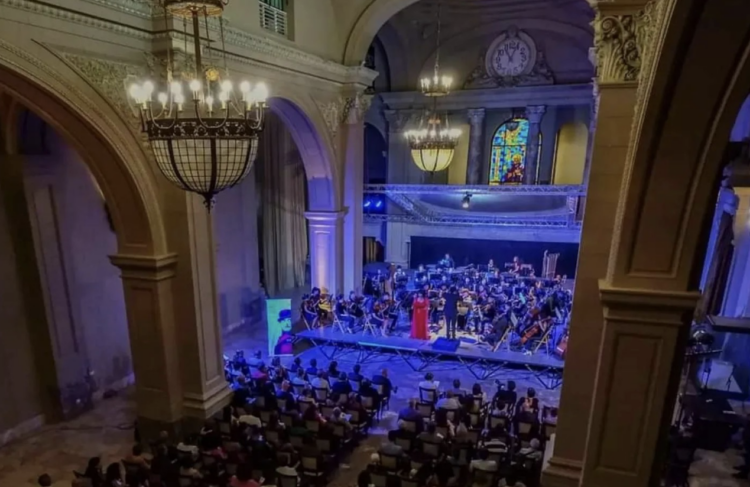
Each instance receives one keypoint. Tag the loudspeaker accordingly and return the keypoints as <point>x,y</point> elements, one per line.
<point>445,345</point>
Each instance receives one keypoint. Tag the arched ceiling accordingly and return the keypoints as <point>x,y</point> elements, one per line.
<point>560,28</point>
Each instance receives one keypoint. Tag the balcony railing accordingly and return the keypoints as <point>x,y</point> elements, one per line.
<point>273,19</point>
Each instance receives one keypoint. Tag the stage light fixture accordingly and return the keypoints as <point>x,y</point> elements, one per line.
<point>368,203</point>
<point>378,204</point>
<point>466,202</point>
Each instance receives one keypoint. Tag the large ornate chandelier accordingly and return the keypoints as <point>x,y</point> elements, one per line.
<point>203,128</point>
<point>433,143</point>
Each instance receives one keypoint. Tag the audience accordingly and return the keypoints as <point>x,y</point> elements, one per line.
<point>459,425</point>
<point>44,480</point>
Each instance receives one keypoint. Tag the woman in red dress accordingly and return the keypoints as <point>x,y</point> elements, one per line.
<point>419,318</point>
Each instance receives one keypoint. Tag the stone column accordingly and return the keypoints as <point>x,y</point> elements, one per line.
<point>534,114</point>
<point>191,235</point>
<point>476,146</point>
<point>399,158</point>
<point>352,152</point>
<point>617,99</point>
<point>325,229</point>
<point>149,289</point>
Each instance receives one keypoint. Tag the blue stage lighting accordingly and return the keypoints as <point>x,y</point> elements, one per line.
<point>379,204</point>
<point>367,203</point>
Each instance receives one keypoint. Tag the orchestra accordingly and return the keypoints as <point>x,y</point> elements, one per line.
<point>510,308</point>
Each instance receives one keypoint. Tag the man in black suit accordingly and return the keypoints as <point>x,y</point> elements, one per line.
<point>451,312</point>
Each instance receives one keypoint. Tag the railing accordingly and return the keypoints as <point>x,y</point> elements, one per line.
<point>273,19</point>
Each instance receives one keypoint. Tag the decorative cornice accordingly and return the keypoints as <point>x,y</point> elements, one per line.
<point>524,189</point>
<point>355,108</point>
<point>620,41</point>
<point>347,110</point>
<point>397,120</point>
<point>535,113</point>
<point>235,37</point>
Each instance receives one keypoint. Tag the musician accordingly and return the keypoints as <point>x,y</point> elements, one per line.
<point>419,318</point>
<point>399,275</point>
<point>491,265</point>
<point>462,307</point>
<point>421,274</point>
<point>516,265</point>
<point>447,262</point>
<point>450,310</point>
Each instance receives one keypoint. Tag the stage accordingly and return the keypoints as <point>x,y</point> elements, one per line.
<point>422,355</point>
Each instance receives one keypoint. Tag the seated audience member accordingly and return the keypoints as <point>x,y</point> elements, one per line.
<point>354,375</point>
<point>341,387</point>
<point>410,413</point>
<point>505,398</point>
<point>244,477</point>
<point>477,392</point>
<point>366,390</point>
<point>45,480</point>
<point>333,369</point>
<point>256,360</point>
<point>312,370</point>
<point>136,457</point>
<point>310,449</point>
<point>260,374</point>
<point>533,451</point>
<point>428,382</point>
<point>338,417</point>
<point>285,398</point>
<point>296,365</point>
<point>321,381</point>
<point>212,446</point>
<point>390,447</point>
<point>113,476</point>
<point>527,408</point>
<point>187,469</point>
<point>161,463</point>
<point>94,472</point>
<point>306,397</point>
<point>430,434</point>
<point>456,389</point>
<point>313,414</point>
<point>241,393</point>
<point>483,462</point>
<point>251,420</point>
<point>299,379</point>
<point>551,418</point>
<point>189,445</point>
<point>285,468</point>
<point>449,402</point>
<point>383,380</point>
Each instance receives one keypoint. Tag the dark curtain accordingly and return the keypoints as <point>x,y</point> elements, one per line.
<point>283,189</point>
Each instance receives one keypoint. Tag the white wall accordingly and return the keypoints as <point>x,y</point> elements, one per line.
<point>83,292</point>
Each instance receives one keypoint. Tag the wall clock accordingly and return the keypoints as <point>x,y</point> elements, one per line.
<point>512,54</point>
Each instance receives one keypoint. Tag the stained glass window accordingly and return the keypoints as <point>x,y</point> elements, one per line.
<point>508,159</point>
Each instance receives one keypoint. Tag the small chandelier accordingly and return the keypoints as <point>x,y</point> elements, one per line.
<point>202,128</point>
<point>436,85</point>
<point>432,146</point>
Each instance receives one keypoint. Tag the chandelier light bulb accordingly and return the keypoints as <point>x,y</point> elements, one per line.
<point>179,99</point>
<point>135,92</point>
<point>226,85</point>
<point>195,86</point>
<point>176,88</point>
<point>245,87</point>
<point>163,99</point>
<point>148,89</point>
<point>210,103</point>
<point>261,93</point>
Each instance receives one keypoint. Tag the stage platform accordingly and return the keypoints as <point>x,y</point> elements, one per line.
<point>421,355</point>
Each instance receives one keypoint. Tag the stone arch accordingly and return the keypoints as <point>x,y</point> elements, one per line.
<point>316,154</point>
<point>367,26</point>
<point>112,153</point>
<point>670,188</point>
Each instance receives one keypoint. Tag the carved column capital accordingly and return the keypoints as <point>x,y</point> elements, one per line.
<point>355,107</point>
<point>535,113</point>
<point>476,115</point>
<point>621,37</point>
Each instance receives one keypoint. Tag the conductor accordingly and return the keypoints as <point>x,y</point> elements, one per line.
<point>451,312</point>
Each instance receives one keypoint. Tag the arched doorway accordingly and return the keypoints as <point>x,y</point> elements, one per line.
<point>118,165</point>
